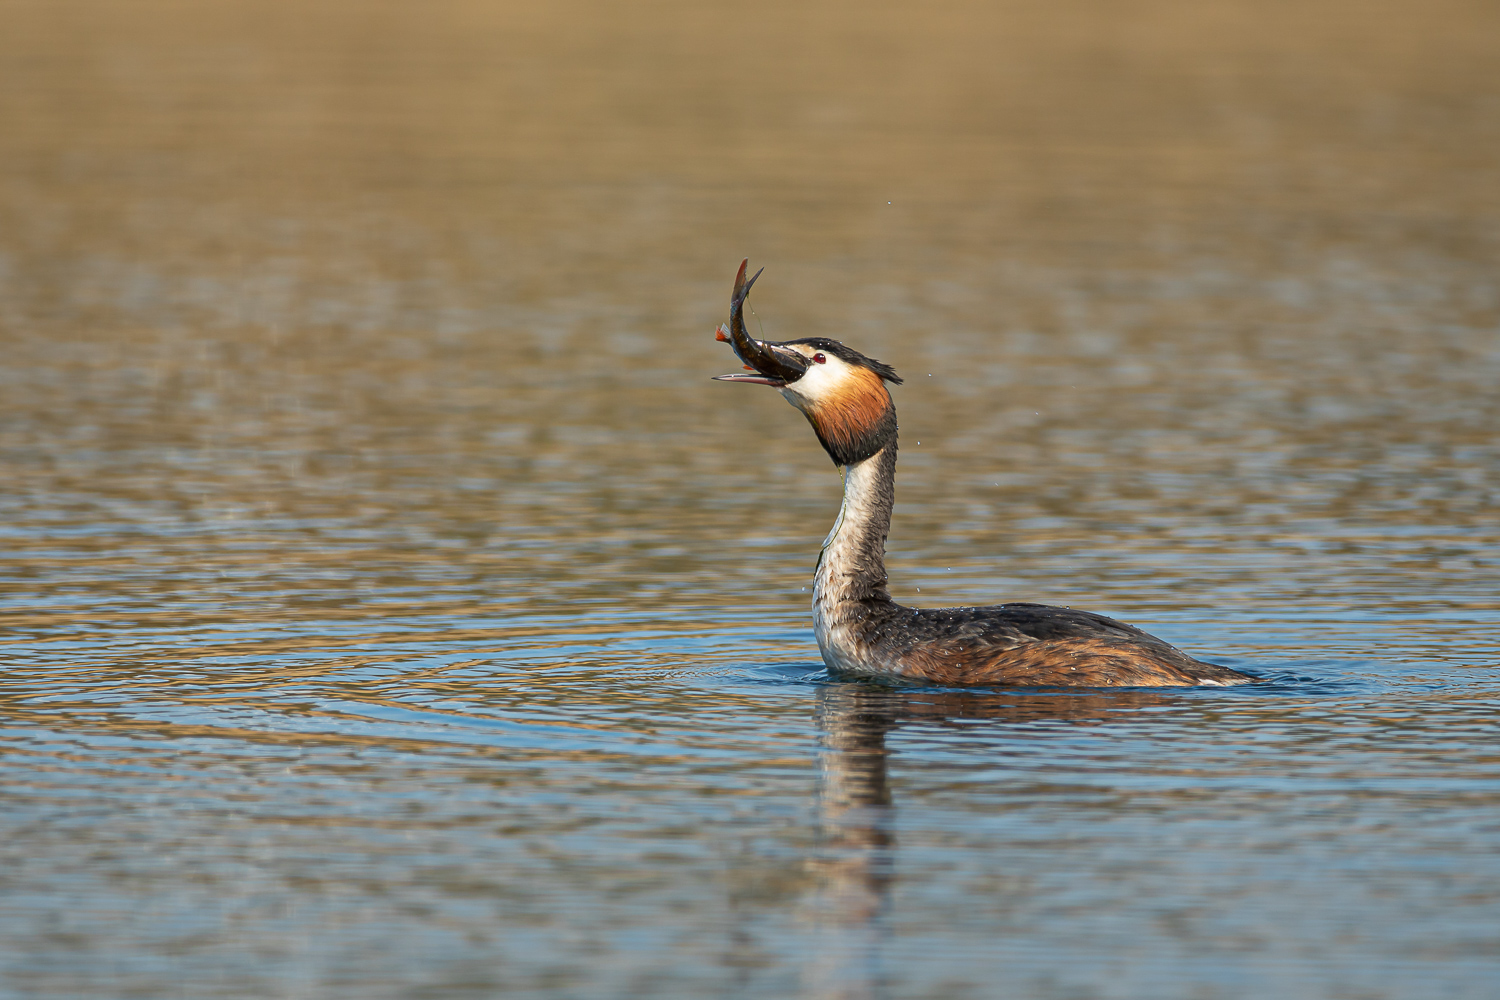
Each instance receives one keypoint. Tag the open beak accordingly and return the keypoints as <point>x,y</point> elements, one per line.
<point>767,363</point>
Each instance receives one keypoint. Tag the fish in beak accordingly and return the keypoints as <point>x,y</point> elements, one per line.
<point>768,363</point>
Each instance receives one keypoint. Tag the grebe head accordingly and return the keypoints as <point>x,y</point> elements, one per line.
<point>841,392</point>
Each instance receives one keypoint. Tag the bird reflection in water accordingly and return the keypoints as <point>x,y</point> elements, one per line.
<point>855,865</point>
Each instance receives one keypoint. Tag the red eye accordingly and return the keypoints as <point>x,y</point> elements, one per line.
<point>820,359</point>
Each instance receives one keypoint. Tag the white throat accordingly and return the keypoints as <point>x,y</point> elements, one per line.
<point>851,569</point>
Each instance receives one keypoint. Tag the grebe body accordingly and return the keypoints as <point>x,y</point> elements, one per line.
<point>860,630</point>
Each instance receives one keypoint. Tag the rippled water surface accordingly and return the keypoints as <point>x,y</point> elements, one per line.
<point>391,607</point>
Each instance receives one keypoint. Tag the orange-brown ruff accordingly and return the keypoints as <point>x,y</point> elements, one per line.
<point>860,630</point>
<point>856,410</point>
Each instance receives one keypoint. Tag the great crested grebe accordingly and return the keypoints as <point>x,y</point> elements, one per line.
<point>860,630</point>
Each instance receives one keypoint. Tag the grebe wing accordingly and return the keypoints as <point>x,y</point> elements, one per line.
<point>1038,645</point>
<point>1007,624</point>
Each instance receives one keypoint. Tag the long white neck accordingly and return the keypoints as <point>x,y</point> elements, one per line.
<point>850,582</point>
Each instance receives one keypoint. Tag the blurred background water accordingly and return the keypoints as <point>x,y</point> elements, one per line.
<point>392,607</point>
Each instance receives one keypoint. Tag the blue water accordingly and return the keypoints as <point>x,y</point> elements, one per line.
<point>633,804</point>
